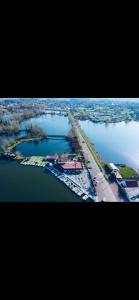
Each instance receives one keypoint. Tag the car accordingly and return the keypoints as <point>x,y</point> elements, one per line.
<point>103,199</point>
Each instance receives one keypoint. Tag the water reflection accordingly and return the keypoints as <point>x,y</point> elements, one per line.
<point>117,142</point>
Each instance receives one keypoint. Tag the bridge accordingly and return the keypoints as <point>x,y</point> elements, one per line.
<point>54,136</point>
<point>51,136</point>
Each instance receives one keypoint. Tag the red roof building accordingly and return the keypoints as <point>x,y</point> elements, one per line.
<point>72,165</point>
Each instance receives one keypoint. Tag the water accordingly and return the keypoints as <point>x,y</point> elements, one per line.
<point>115,142</point>
<point>44,147</point>
<point>24,183</point>
<point>52,124</point>
<point>28,184</point>
<point>118,142</point>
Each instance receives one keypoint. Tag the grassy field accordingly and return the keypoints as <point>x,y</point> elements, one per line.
<point>127,172</point>
<point>37,159</point>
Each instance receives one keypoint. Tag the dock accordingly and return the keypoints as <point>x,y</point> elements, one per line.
<point>73,186</point>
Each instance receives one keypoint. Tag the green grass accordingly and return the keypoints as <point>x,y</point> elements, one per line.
<point>37,159</point>
<point>11,147</point>
<point>127,172</point>
<point>97,158</point>
<point>93,151</point>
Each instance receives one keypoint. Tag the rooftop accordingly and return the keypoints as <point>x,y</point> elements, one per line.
<point>131,187</point>
<point>51,156</point>
<point>113,167</point>
<point>72,165</point>
<point>132,192</point>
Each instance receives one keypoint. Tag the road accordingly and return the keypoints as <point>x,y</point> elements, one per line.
<point>103,188</point>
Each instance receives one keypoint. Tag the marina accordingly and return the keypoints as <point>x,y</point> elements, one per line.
<point>73,185</point>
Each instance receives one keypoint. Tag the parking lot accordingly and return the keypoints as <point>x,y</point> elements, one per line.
<point>81,179</point>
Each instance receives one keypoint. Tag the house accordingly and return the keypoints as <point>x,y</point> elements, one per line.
<point>114,170</point>
<point>71,167</point>
<point>9,155</point>
<point>130,187</point>
<point>52,158</point>
<point>113,167</point>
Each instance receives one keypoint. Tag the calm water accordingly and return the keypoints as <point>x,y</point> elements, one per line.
<point>19,183</point>
<point>116,142</point>
<point>52,124</point>
<point>45,147</point>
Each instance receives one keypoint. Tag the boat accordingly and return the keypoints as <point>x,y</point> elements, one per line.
<point>85,197</point>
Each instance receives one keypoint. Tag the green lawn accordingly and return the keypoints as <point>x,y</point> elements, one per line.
<point>37,159</point>
<point>127,172</point>
<point>27,139</point>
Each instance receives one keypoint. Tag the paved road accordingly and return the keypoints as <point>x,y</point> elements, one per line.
<point>103,188</point>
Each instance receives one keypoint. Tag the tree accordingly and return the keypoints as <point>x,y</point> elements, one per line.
<point>35,130</point>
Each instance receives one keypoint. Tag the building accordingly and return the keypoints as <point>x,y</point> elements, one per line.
<point>9,155</point>
<point>113,167</point>
<point>72,167</point>
<point>130,187</point>
<point>114,170</point>
<point>52,158</point>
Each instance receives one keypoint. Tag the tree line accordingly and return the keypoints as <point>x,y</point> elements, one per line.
<point>12,124</point>
<point>35,130</point>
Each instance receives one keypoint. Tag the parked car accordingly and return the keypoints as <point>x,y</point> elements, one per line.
<point>103,199</point>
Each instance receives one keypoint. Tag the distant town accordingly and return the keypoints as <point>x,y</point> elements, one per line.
<point>83,170</point>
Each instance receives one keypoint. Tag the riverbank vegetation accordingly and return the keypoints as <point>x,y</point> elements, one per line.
<point>127,172</point>
<point>10,122</point>
<point>11,146</point>
<point>92,149</point>
<point>10,127</point>
<point>72,137</point>
<point>35,130</point>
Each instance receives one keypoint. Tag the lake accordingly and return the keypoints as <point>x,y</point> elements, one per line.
<point>44,147</point>
<point>20,183</point>
<point>28,184</point>
<point>115,142</point>
<point>52,124</point>
<point>118,142</point>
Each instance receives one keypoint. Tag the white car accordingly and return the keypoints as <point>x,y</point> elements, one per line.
<point>103,199</point>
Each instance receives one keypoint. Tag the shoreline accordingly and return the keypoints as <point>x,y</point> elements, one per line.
<point>11,147</point>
